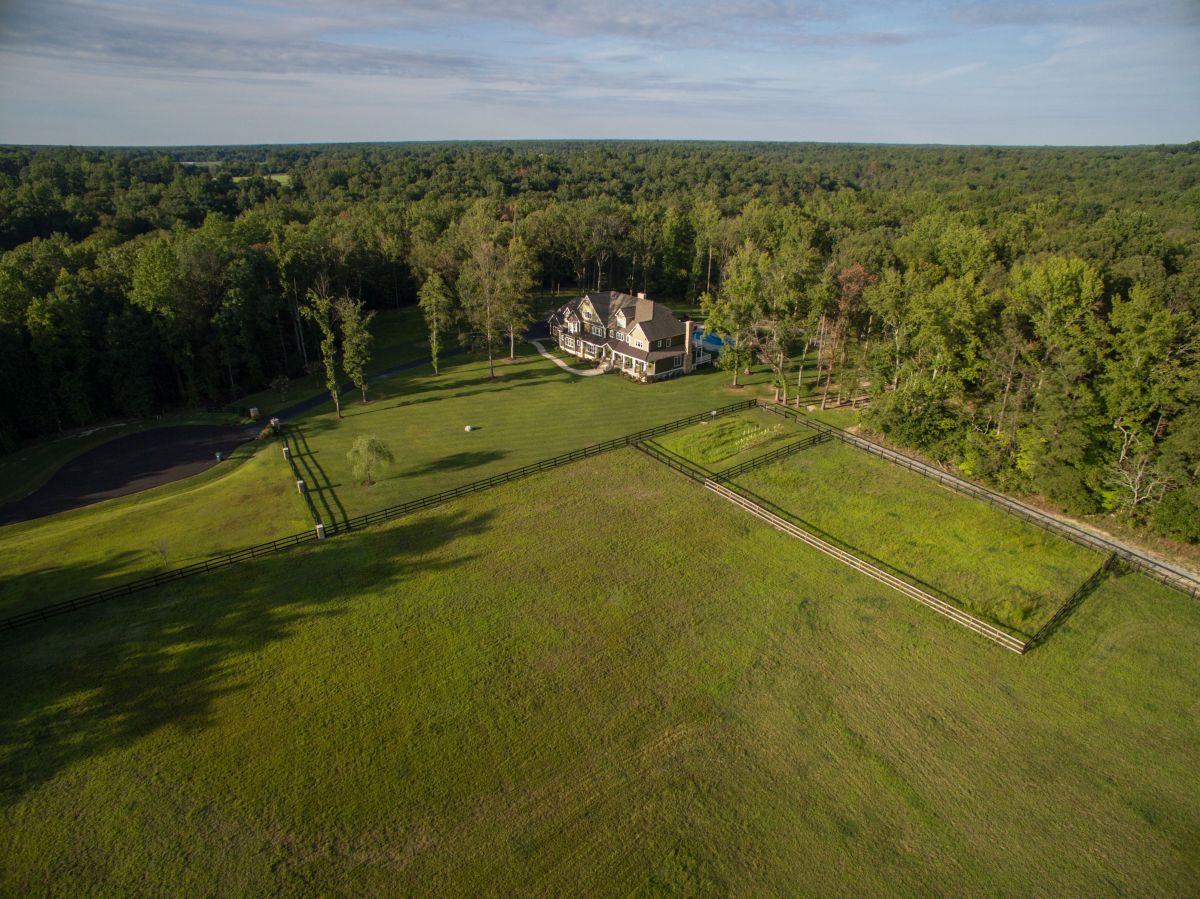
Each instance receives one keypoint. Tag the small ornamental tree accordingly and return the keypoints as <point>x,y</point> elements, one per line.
<point>367,455</point>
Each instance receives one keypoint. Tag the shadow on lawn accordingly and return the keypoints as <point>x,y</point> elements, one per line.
<point>459,462</point>
<point>53,583</point>
<point>316,481</point>
<point>101,679</point>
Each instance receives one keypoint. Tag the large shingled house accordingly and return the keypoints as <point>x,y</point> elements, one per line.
<point>632,334</point>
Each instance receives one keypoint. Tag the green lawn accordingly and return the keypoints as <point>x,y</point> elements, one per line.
<point>501,696</point>
<point>531,411</point>
<point>249,498</point>
<point>985,560</point>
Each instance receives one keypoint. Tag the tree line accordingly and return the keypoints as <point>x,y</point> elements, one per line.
<point>1030,315</point>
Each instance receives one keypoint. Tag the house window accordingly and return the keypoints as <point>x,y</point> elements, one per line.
<point>620,335</point>
<point>598,330</point>
<point>676,362</point>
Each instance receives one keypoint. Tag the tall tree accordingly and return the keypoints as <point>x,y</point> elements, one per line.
<point>355,325</point>
<point>732,313</point>
<point>437,305</point>
<point>518,279</point>
<point>482,298</point>
<point>320,311</point>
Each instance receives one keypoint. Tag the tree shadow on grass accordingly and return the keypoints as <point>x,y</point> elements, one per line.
<point>317,483</point>
<point>459,461</point>
<point>52,583</point>
<point>455,390</point>
<point>99,680</point>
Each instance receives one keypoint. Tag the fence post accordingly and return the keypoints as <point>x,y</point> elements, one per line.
<point>320,531</point>
<point>300,487</point>
<point>287,453</point>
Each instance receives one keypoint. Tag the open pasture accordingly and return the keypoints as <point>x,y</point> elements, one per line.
<point>677,699</point>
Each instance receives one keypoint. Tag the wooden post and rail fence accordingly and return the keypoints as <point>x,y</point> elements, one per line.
<point>717,483</point>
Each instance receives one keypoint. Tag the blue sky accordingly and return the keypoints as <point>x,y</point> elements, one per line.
<point>272,71</point>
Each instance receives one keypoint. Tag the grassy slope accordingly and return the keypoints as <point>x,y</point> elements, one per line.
<point>456,704</point>
<point>987,561</point>
<point>243,500</point>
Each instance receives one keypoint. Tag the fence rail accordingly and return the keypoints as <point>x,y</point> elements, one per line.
<point>155,580</point>
<point>945,609</point>
<point>1085,589</point>
<point>1143,563</point>
<point>253,552</point>
<point>435,499</point>
<point>682,466</point>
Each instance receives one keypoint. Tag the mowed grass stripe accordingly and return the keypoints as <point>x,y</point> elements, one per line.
<point>490,698</point>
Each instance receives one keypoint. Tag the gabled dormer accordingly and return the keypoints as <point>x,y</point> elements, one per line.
<point>636,338</point>
<point>588,312</point>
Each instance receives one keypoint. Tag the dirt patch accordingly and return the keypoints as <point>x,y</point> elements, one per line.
<point>127,465</point>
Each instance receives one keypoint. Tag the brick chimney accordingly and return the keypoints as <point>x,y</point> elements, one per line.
<point>687,346</point>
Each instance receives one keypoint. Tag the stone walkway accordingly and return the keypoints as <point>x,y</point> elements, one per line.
<point>575,371</point>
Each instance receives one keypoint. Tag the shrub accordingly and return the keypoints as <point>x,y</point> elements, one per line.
<point>1178,515</point>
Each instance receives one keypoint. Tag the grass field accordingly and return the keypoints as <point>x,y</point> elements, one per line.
<point>664,696</point>
<point>282,177</point>
<point>247,499</point>
<point>987,561</point>
<point>531,411</point>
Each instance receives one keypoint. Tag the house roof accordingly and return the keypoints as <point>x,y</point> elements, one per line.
<point>657,321</point>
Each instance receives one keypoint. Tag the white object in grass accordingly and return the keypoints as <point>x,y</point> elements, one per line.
<point>469,428</point>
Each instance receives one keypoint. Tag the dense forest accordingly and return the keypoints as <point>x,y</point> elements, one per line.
<point>1030,315</point>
